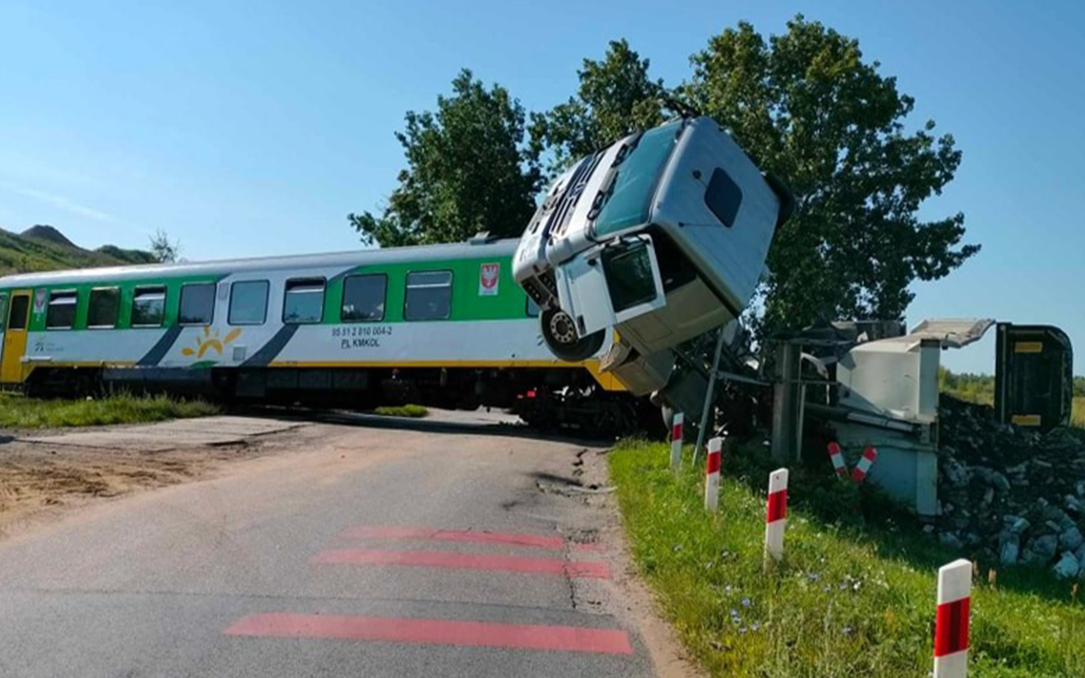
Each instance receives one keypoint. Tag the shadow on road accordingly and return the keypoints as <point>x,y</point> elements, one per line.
<point>439,422</point>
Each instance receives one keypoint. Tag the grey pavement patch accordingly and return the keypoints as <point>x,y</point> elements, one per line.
<point>202,431</point>
<point>145,585</point>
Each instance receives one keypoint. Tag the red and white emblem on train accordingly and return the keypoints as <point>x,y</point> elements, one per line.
<point>488,276</point>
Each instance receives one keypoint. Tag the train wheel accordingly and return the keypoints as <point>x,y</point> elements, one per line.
<point>559,332</point>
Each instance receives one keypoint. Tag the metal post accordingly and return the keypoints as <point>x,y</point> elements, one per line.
<point>709,397</point>
<point>787,404</point>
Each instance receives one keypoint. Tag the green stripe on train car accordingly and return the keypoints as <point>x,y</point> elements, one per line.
<point>510,302</point>
<point>127,289</point>
<point>468,304</point>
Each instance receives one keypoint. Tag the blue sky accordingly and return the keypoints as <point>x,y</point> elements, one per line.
<point>254,128</point>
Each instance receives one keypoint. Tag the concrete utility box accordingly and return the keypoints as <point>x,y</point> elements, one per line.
<point>894,384</point>
<point>895,377</point>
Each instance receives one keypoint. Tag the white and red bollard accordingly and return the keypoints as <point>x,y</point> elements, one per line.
<point>863,467</point>
<point>837,457</point>
<point>676,440</point>
<point>951,621</point>
<point>776,515</point>
<point>713,462</point>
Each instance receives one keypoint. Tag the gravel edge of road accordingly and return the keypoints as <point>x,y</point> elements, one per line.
<point>641,610</point>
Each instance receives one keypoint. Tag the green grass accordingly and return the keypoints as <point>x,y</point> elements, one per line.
<point>980,389</point>
<point>854,596</point>
<point>414,411</point>
<point>21,254</point>
<point>1078,417</point>
<point>18,412</point>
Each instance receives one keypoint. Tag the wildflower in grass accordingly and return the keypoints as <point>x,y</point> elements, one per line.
<point>847,630</point>
<point>742,629</point>
<point>745,602</point>
<point>755,626</point>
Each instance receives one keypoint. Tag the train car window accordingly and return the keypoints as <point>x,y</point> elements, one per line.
<point>105,303</point>
<point>61,312</point>
<point>197,304</point>
<point>248,302</point>
<point>3,311</point>
<point>149,306</point>
<point>363,298</point>
<point>304,301</point>
<point>429,296</point>
<point>532,308</point>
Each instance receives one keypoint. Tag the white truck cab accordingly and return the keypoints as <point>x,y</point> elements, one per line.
<point>662,236</point>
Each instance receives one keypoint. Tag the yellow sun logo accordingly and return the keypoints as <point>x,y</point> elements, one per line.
<point>211,342</point>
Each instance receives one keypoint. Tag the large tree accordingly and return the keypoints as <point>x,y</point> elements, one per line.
<point>616,97</point>
<point>807,107</point>
<point>469,169</point>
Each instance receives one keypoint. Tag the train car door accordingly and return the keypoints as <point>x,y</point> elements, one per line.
<point>11,361</point>
<point>3,321</point>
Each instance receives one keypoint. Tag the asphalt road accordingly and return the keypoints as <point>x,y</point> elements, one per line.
<point>369,550</point>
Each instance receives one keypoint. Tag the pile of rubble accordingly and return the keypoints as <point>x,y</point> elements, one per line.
<point>1010,494</point>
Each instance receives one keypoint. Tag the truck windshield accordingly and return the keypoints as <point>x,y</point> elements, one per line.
<point>636,180</point>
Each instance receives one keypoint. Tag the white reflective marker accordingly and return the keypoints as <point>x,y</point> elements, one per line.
<point>712,474</point>
<point>952,620</point>
<point>676,440</point>
<point>776,515</point>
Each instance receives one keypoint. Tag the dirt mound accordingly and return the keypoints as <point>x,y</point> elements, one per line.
<point>1013,494</point>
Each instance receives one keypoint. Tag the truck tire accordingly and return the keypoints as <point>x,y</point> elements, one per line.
<point>559,333</point>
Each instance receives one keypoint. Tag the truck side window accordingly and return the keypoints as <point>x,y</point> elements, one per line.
<point>723,197</point>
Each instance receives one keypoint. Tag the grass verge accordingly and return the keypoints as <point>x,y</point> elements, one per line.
<point>854,596</point>
<point>19,412</point>
<point>414,411</point>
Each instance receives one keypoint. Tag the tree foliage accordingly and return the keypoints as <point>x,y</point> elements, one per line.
<point>806,107</point>
<point>616,97</point>
<point>164,250</point>
<point>469,169</point>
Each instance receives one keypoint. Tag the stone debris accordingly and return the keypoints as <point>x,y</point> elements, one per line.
<point>1009,494</point>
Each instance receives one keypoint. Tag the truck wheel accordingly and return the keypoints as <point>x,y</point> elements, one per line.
<point>559,333</point>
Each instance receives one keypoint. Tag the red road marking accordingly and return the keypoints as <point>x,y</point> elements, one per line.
<point>433,632</point>
<point>469,561</point>
<point>511,538</point>
<point>542,541</point>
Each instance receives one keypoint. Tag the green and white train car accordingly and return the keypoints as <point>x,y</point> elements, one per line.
<point>443,325</point>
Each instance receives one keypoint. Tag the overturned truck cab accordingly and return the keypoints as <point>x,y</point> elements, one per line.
<point>661,237</point>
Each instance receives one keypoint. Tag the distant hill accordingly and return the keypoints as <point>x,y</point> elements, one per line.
<point>44,248</point>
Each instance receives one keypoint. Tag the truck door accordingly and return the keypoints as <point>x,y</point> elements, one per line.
<point>11,360</point>
<point>1033,376</point>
